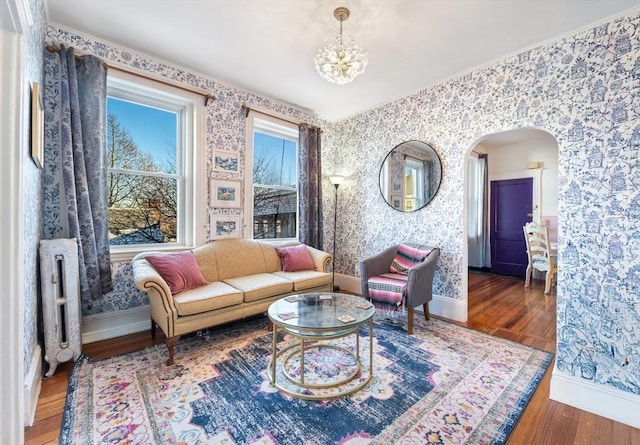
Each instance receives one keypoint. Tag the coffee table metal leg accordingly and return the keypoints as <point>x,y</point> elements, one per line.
<point>274,355</point>
<point>302,361</point>
<point>370,348</point>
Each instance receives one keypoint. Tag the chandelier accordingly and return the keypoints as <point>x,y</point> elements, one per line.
<point>336,62</point>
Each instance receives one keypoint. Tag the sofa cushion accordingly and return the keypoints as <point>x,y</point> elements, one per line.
<point>206,258</point>
<point>179,270</point>
<point>306,279</point>
<point>207,298</point>
<point>259,286</point>
<point>238,257</point>
<point>295,258</point>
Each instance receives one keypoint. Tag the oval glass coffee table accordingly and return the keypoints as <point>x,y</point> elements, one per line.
<point>333,368</point>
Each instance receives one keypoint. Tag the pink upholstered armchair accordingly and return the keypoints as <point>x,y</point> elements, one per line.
<point>400,278</point>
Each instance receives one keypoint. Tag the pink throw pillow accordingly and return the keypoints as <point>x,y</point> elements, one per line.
<point>179,270</point>
<point>295,258</point>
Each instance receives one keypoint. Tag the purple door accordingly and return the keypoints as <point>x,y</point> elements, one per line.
<point>511,207</point>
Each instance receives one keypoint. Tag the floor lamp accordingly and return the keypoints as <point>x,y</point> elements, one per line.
<point>336,180</point>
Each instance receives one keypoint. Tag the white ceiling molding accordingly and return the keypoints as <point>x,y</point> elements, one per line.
<point>15,16</point>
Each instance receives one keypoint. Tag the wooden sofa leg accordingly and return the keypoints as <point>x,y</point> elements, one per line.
<point>427,316</point>
<point>170,342</point>
<point>153,328</point>
<point>410,321</point>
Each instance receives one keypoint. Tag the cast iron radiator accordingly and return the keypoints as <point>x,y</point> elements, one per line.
<point>60,301</point>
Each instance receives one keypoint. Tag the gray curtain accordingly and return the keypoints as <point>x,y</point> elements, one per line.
<point>427,174</point>
<point>310,187</point>
<point>477,211</point>
<point>83,95</point>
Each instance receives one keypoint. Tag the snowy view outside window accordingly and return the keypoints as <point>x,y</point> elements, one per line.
<point>142,153</point>
<point>275,193</point>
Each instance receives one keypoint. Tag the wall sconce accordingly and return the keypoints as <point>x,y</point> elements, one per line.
<point>336,180</point>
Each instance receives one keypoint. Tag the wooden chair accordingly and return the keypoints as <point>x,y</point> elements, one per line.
<point>541,257</point>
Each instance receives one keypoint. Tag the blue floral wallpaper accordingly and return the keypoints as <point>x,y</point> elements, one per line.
<point>34,37</point>
<point>584,90</point>
<point>225,129</point>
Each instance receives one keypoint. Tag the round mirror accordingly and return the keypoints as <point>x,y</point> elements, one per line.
<point>410,176</point>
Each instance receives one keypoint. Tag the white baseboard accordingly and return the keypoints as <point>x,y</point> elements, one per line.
<point>115,324</point>
<point>32,385</point>
<point>349,283</point>
<point>598,399</point>
<point>456,310</point>
<point>440,306</point>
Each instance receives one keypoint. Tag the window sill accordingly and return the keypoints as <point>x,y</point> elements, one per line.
<point>277,241</point>
<point>126,254</point>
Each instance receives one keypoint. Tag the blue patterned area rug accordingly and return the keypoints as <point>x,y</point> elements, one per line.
<point>443,385</point>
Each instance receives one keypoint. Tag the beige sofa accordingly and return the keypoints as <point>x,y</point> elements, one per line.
<point>244,277</point>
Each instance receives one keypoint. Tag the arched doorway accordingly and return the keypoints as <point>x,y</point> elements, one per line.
<point>507,157</point>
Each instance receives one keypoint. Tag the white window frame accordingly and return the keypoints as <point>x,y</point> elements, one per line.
<point>418,189</point>
<point>190,157</point>
<point>266,124</point>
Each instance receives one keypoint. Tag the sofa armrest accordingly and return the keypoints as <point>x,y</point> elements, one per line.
<point>420,282</point>
<point>146,278</point>
<point>375,265</point>
<point>320,258</point>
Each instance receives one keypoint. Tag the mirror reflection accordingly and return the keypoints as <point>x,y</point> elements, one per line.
<point>410,176</point>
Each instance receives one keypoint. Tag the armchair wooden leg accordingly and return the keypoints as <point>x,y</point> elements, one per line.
<point>170,342</point>
<point>410,321</point>
<point>425,307</point>
<point>153,328</point>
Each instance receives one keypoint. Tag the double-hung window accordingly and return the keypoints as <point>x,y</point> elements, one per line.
<point>414,184</point>
<point>154,186</point>
<point>272,159</point>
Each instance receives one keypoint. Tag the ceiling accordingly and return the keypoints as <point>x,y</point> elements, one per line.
<point>267,46</point>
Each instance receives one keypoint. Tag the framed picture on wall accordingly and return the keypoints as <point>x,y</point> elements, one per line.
<point>225,226</point>
<point>226,193</point>
<point>226,161</point>
<point>37,126</point>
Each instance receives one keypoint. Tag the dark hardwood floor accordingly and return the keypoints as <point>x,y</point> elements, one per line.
<point>497,305</point>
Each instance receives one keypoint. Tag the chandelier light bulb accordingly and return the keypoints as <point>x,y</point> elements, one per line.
<point>336,62</point>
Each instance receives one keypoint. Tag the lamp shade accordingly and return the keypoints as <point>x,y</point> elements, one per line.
<point>336,179</point>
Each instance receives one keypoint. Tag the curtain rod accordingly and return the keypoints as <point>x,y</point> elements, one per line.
<point>208,97</point>
<point>247,108</point>
<point>414,158</point>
